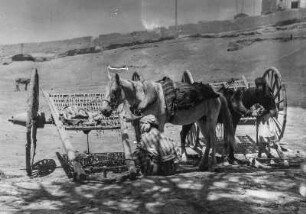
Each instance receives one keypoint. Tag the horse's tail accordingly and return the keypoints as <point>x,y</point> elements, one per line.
<point>226,116</point>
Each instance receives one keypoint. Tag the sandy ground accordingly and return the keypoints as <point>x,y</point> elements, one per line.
<point>241,190</point>
<point>233,190</point>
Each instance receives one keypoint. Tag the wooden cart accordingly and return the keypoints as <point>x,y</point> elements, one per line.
<point>76,166</point>
<point>274,80</point>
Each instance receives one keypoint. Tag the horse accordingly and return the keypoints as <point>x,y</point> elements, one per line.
<point>147,97</point>
<point>24,81</point>
<point>239,103</point>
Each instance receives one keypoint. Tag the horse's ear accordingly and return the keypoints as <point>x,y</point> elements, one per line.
<point>135,76</point>
<point>117,79</point>
<point>267,88</point>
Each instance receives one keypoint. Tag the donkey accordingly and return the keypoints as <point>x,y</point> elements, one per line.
<point>239,103</point>
<point>24,81</point>
<point>147,97</point>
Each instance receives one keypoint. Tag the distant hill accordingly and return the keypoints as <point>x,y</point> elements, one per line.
<point>61,48</point>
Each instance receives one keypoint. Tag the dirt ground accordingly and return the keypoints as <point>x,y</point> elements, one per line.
<point>231,190</point>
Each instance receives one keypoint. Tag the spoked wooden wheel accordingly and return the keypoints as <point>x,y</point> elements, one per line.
<point>274,80</point>
<point>31,123</point>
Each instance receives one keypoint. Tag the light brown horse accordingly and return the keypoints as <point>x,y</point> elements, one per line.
<point>148,98</point>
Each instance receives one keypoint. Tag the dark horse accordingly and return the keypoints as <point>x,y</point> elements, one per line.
<point>239,103</point>
<point>24,81</point>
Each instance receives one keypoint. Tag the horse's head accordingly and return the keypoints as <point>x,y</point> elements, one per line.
<point>234,98</point>
<point>265,95</point>
<point>114,96</point>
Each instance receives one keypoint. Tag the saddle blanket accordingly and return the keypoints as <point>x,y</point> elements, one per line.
<point>179,96</point>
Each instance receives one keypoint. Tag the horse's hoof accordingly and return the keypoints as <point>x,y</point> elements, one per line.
<point>203,168</point>
<point>283,149</point>
<point>233,161</point>
<point>132,173</point>
<point>269,155</point>
<point>184,158</point>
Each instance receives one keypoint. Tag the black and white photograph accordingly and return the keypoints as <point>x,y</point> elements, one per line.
<point>153,106</point>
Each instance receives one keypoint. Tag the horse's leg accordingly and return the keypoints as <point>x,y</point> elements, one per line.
<point>184,132</point>
<point>204,165</point>
<point>231,156</point>
<point>26,87</point>
<point>278,149</point>
<point>211,124</point>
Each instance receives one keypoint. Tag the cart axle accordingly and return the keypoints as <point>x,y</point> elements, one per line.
<point>20,119</point>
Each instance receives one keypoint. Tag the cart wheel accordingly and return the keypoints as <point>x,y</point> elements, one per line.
<point>31,123</point>
<point>193,137</point>
<point>274,80</point>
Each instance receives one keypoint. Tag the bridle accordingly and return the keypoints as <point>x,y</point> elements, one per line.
<point>114,100</point>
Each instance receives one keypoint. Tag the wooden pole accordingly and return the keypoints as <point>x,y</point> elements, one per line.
<point>65,138</point>
<point>128,135</point>
<point>32,111</point>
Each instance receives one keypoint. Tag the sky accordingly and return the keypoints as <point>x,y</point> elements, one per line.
<point>24,21</point>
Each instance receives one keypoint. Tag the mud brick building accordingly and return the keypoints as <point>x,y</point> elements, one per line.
<point>270,6</point>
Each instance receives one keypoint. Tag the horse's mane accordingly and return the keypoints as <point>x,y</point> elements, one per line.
<point>165,78</point>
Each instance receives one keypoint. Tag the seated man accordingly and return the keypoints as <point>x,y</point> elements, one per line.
<point>155,153</point>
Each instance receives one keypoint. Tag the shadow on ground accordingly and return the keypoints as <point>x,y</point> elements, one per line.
<point>198,192</point>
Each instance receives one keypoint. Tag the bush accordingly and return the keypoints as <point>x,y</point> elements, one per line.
<point>240,15</point>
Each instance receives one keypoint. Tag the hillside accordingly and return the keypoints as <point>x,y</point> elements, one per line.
<point>114,40</point>
<point>207,59</point>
